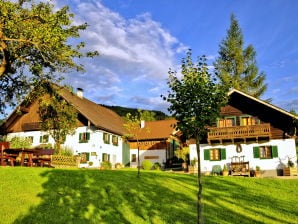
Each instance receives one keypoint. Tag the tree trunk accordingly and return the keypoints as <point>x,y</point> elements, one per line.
<point>200,187</point>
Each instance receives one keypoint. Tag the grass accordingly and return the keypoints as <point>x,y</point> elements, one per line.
<point>42,195</point>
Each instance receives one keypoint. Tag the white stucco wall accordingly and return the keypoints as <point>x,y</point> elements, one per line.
<point>286,148</point>
<point>160,153</point>
<point>95,144</point>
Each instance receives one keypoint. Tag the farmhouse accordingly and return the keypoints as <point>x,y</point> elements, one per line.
<point>249,133</point>
<point>156,141</point>
<point>98,135</point>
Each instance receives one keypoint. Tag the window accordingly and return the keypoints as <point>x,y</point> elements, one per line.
<point>249,120</point>
<point>227,122</point>
<point>84,137</point>
<point>106,138</point>
<point>133,157</point>
<point>105,157</point>
<point>115,140</point>
<point>30,138</point>
<point>215,154</point>
<point>84,157</point>
<point>44,139</point>
<point>265,152</point>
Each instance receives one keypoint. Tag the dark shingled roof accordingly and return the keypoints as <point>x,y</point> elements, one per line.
<point>99,116</point>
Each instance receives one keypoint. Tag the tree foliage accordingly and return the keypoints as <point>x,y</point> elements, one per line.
<point>195,100</point>
<point>237,66</point>
<point>35,44</point>
<point>58,117</point>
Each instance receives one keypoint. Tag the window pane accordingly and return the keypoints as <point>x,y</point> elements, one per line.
<point>133,157</point>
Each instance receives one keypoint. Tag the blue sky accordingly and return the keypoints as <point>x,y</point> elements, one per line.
<point>139,40</point>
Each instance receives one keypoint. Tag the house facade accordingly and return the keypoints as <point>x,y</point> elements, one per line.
<point>250,133</point>
<point>97,138</point>
<point>156,141</point>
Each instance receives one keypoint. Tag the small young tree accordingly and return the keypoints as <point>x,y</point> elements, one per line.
<point>133,127</point>
<point>195,100</point>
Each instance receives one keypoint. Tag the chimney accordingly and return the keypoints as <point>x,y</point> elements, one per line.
<point>142,124</point>
<point>80,93</point>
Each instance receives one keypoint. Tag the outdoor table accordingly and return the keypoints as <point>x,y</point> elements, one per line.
<point>30,153</point>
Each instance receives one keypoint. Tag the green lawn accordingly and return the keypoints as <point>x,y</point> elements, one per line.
<point>42,195</point>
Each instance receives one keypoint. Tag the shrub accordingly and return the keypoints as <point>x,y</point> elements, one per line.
<point>20,142</point>
<point>147,165</point>
<point>216,169</point>
<point>106,165</point>
<point>157,166</point>
<point>65,151</point>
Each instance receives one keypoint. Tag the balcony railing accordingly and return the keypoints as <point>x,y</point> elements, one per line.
<point>238,132</point>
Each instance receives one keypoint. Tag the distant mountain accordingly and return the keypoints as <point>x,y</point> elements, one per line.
<point>122,111</point>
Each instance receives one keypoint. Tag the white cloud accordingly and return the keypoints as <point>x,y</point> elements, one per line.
<point>131,50</point>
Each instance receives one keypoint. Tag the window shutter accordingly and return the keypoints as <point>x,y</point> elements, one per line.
<point>88,135</point>
<point>274,151</point>
<point>222,154</point>
<point>80,136</point>
<point>206,154</point>
<point>256,152</point>
<point>40,139</point>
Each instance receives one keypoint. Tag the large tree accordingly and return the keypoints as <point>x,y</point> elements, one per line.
<point>35,44</point>
<point>195,100</point>
<point>236,65</point>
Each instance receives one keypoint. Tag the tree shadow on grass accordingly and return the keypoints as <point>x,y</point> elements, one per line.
<point>93,196</point>
<point>229,200</point>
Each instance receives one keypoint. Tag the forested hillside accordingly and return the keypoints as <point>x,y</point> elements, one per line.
<point>122,111</point>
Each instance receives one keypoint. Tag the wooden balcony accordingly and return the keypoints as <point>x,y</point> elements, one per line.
<point>238,133</point>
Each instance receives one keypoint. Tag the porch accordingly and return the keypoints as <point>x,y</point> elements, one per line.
<point>238,133</point>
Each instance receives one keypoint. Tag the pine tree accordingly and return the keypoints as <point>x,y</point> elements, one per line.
<point>236,66</point>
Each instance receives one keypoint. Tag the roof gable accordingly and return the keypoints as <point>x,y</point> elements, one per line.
<point>99,116</point>
<point>241,95</point>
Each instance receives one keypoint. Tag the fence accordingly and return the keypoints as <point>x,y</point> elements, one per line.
<point>65,161</point>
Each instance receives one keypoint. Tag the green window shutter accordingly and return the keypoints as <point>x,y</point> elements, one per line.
<point>88,135</point>
<point>256,152</point>
<point>40,139</point>
<point>80,136</point>
<point>274,151</point>
<point>87,156</point>
<point>206,154</point>
<point>222,154</point>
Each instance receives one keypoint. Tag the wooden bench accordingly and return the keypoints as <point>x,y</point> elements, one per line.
<point>240,169</point>
<point>10,156</point>
<point>43,156</point>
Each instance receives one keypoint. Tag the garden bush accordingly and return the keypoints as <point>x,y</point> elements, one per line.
<point>216,170</point>
<point>106,165</point>
<point>147,165</point>
<point>157,166</point>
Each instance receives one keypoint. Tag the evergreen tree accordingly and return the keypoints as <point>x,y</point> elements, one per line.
<point>236,66</point>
